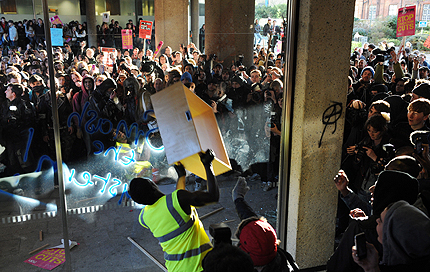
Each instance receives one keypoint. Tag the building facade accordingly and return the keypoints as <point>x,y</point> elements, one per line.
<point>373,9</point>
<point>120,11</point>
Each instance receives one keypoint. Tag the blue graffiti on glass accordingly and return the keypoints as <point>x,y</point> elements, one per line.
<point>46,158</point>
<point>106,180</point>
<point>118,183</point>
<point>159,149</point>
<point>86,176</point>
<point>116,151</point>
<point>100,146</point>
<point>130,159</point>
<point>71,177</point>
<point>92,128</point>
<point>124,192</point>
<point>30,138</point>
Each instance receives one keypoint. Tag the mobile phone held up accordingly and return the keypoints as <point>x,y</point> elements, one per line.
<point>360,245</point>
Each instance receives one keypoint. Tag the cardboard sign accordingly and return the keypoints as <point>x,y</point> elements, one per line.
<point>56,20</point>
<point>188,126</point>
<point>145,29</point>
<point>48,258</point>
<point>406,21</point>
<point>106,55</point>
<point>127,39</point>
<point>106,17</point>
<point>57,36</point>
<point>160,44</point>
<point>278,47</point>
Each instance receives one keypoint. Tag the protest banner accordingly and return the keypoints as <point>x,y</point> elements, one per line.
<point>48,258</point>
<point>106,55</point>
<point>406,21</point>
<point>55,20</point>
<point>145,29</point>
<point>106,16</point>
<point>57,36</point>
<point>127,39</point>
<point>427,42</point>
<point>160,44</point>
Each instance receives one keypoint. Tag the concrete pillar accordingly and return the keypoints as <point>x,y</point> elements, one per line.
<point>195,21</point>
<point>90,6</point>
<point>229,29</point>
<point>171,20</point>
<point>320,78</point>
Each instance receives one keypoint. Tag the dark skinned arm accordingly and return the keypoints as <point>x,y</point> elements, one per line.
<point>180,185</point>
<point>201,198</point>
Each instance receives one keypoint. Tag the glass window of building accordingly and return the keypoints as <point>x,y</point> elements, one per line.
<point>426,13</point>
<point>372,12</point>
<point>148,8</point>
<point>392,10</point>
<point>8,7</point>
<point>356,12</point>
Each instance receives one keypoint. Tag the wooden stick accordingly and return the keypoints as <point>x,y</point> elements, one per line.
<point>268,51</point>
<point>160,265</point>
<point>87,199</point>
<point>212,212</point>
<point>37,249</point>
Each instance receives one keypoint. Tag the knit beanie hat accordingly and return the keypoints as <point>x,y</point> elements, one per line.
<point>393,186</point>
<point>422,90</point>
<point>259,240</point>
<point>238,79</point>
<point>379,88</point>
<point>186,75</point>
<point>107,84</point>
<point>369,68</point>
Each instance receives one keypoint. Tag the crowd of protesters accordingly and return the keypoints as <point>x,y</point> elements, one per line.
<point>247,101</point>
<point>101,95</point>
<point>384,182</point>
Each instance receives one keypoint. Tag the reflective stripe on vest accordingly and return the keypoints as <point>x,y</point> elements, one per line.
<point>183,227</point>
<point>141,219</point>
<point>188,254</point>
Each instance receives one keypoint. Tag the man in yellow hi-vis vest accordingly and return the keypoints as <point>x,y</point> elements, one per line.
<point>173,219</point>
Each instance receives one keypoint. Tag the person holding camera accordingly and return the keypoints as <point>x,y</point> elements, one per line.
<point>392,185</point>
<point>173,219</point>
<point>369,156</point>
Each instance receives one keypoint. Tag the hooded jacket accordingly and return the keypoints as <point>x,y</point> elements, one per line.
<point>79,99</point>
<point>406,235</point>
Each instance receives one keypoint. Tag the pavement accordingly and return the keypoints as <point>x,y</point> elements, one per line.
<point>101,228</point>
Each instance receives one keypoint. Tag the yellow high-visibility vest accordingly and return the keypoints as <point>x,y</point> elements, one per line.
<point>182,237</point>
